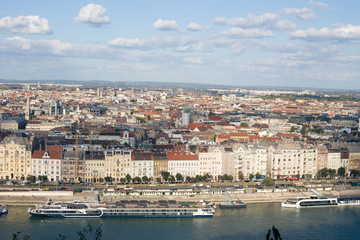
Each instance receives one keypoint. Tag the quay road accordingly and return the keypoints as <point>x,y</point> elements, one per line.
<point>225,186</point>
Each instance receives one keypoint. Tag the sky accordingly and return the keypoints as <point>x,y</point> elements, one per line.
<point>302,43</point>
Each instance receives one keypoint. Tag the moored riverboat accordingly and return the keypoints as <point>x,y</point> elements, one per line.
<point>234,204</point>
<point>123,209</point>
<point>313,201</point>
<point>3,209</point>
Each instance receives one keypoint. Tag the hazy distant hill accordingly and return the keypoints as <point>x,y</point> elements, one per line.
<point>193,86</point>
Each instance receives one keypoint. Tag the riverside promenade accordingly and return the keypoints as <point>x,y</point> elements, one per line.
<point>250,196</point>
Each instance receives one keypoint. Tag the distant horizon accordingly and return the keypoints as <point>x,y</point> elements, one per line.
<point>205,85</point>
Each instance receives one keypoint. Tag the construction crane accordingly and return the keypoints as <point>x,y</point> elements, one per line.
<point>76,156</point>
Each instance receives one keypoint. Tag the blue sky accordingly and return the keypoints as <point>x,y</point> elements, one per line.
<point>243,43</point>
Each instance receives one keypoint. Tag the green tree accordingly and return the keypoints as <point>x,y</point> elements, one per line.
<point>251,176</point>
<point>268,181</point>
<point>331,173</point>
<point>108,179</point>
<point>257,175</point>
<point>128,178</point>
<point>158,180</point>
<point>122,180</point>
<point>354,173</point>
<point>206,177</point>
<point>145,179</point>
<point>165,176</point>
<point>241,176</point>
<point>293,129</point>
<point>341,172</point>
<point>179,177</point>
<point>188,179</point>
<point>30,178</point>
<point>198,178</point>
<point>323,173</point>
<point>243,124</point>
<point>101,179</point>
<point>43,178</point>
<point>172,179</point>
<point>303,130</point>
<point>137,179</point>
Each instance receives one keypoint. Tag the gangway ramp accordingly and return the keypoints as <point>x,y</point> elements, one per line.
<point>316,192</point>
<point>228,197</point>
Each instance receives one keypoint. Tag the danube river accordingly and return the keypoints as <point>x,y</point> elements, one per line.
<point>247,223</point>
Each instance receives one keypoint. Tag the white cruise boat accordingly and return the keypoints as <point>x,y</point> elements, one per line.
<point>122,209</point>
<point>313,201</point>
<point>3,209</point>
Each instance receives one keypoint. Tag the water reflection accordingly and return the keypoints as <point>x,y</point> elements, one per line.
<point>244,223</point>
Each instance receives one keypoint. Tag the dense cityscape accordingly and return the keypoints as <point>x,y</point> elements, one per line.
<point>71,133</point>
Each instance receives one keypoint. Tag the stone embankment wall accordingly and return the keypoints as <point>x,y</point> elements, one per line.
<point>28,199</point>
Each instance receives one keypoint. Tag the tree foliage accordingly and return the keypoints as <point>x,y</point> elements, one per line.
<point>145,179</point>
<point>293,129</point>
<point>303,130</point>
<point>341,172</point>
<point>251,176</point>
<point>165,176</point>
<point>108,179</point>
<point>268,181</point>
<point>257,175</point>
<point>128,178</point>
<point>241,176</point>
<point>179,177</point>
<point>172,179</point>
<point>243,124</point>
<point>137,179</point>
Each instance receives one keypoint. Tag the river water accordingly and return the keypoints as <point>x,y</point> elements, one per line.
<point>252,222</point>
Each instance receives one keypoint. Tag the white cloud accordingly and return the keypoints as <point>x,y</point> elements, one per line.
<point>19,44</point>
<point>165,25</point>
<point>338,32</point>
<point>93,15</point>
<point>267,20</point>
<point>196,60</point>
<point>178,43</point>
<point>301,13</point>
<point>246,33</point>
<point>26,24</point>
<point>127,43</point>
<point>193,27</point>
<point>318,4</point>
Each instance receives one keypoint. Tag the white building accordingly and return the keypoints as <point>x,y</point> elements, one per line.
<point>142,164</point>
<point>183,163</point>
<point>334,159</point>
<point>287,161</point>
<point>47,164</point>
<point>252,159</point>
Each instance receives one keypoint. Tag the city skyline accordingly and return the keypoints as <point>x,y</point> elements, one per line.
<point>262,43</point>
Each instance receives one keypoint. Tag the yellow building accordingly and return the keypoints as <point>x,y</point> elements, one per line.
<point>15,158</point>
<point>117,163</point>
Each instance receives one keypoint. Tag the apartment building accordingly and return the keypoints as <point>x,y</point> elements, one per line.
<point>15,158</point>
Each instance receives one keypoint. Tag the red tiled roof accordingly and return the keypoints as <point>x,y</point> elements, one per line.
<point>288,135</point>
<point>181,156</point>
<point>40,154</point>
<point>223,136</point>
<point>215,118</point>
<point>238,134</point>
<point>53,148</point>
